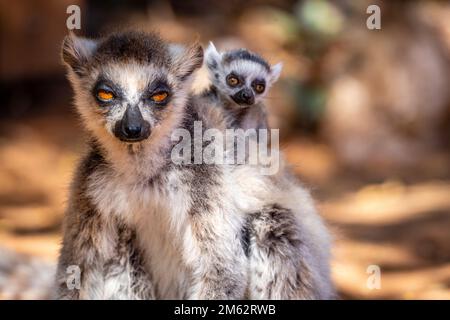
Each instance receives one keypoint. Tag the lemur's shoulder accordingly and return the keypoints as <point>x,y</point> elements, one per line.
<point>92,160</point>
<point>206,106</point>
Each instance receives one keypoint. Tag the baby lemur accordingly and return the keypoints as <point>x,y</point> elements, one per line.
<point>240,80</point>
<point>141,226</point>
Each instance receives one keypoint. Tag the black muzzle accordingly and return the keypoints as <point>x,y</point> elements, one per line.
<point>132,127</point>
<point>244,97</point>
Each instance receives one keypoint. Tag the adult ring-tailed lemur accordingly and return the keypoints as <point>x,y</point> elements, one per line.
<point>140,226</point>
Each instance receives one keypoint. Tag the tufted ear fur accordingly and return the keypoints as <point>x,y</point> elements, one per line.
<point>186,60</point>
<point>213,57</point>
<point>76,52</point>
<point>275,72</point>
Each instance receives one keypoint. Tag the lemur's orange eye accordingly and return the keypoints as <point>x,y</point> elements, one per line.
<point>259,88</point>
<point>160,96</point>
<point>104,95</point>
<point>233,81</point>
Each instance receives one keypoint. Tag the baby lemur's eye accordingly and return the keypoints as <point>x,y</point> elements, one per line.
<point>105,95</point>
<point>259,88</point>
<point>232,80</point>
<point>159,97</point>
<point>259,85</point>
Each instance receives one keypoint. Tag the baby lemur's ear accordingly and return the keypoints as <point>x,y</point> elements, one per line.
<point>212,56</point>
<point>76,52</point>
<point>275,72</point>
<point>186,60</point>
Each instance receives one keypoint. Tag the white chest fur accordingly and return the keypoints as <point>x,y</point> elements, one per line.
<point>159,216</point>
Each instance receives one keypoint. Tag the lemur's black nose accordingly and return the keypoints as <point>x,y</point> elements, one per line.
<point>244,97</point>
<point>132,131</point>
<point>132,127</point>
<point>247,96</point>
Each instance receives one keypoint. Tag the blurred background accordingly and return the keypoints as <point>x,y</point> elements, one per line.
<point>364,117</point>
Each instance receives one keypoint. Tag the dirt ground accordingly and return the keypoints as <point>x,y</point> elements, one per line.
<point>401,225</point>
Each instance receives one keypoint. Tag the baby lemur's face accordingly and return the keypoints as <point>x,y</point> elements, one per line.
<point>241,76</point>
<point>130,86</point>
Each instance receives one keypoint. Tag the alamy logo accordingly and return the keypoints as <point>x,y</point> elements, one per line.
<point>74,20</point>
<point>73,280</point>
<point>373,22</point>
<point>374,280</point>
<point>235,146</point>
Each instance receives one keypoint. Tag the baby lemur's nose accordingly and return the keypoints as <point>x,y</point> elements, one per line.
<point>132,127</point>
<point>247,96</point>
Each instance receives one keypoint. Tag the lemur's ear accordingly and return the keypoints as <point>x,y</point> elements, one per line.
<point>186,60</point>
<point>212,56</point>
<point>76,51</point>
<point>275,72</point>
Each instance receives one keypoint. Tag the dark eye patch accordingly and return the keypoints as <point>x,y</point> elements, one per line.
<point>241,79</point>
<point>158,86</point>
<point>257,83</point>
<point>104,84</point>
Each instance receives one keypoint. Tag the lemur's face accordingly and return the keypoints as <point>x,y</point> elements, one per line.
<point>132,99</point>
<point>241,76</point>
<point>130,86</point>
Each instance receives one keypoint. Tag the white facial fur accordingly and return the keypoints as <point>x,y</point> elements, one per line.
<point>133,79</point>
<point>246,69</point>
